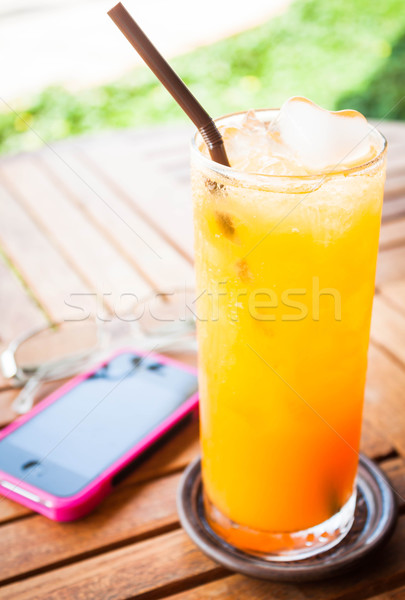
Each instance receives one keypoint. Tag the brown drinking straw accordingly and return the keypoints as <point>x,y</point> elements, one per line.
<point>172,82</point>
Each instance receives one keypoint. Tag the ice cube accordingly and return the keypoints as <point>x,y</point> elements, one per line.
<point>320,139</point>
<point>249,146</point>
<point>252,122</point>
<point>246,141</point>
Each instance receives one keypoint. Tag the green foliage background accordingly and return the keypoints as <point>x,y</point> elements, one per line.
<point>339,53</point>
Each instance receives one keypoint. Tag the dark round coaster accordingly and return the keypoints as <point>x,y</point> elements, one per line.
<point>374,522</point>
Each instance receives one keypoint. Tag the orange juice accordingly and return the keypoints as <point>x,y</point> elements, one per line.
<point>285,276</point>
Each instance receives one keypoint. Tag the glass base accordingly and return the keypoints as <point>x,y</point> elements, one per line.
<point>288,546</point>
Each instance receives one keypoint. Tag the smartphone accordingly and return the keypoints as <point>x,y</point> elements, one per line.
<point>67,453</point>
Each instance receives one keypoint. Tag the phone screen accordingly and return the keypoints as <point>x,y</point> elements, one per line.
<point>72,441</point>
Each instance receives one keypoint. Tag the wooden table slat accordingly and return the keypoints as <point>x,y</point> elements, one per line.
<point>162,200</point>
<point>385,571</point>
<point>384,398</point>
<point>171,561</point>
<point>21,313</point>
<point>395,187</point>
<point>98,263</point>
<point>34,255</point>
<point>156,564</point>
<point>392,233</point>
<point>390,265</point>
<point>398,594</point>
<point>393,209</point>
<point>388,328</point>
<point>392,130</point>
<point>155,259</point>
<point>394,293</point>
<point>129,514</point>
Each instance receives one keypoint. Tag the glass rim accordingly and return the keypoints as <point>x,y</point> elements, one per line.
<point>253,177</point>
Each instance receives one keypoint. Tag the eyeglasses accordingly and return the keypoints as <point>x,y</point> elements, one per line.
<point>162,322</point>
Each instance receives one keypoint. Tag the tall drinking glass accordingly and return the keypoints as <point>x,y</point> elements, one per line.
<point>285,271</point>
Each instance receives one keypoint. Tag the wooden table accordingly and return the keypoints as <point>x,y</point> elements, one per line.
<point>111,215</point>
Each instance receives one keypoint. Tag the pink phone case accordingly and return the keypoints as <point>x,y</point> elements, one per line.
<point>74,507</point>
